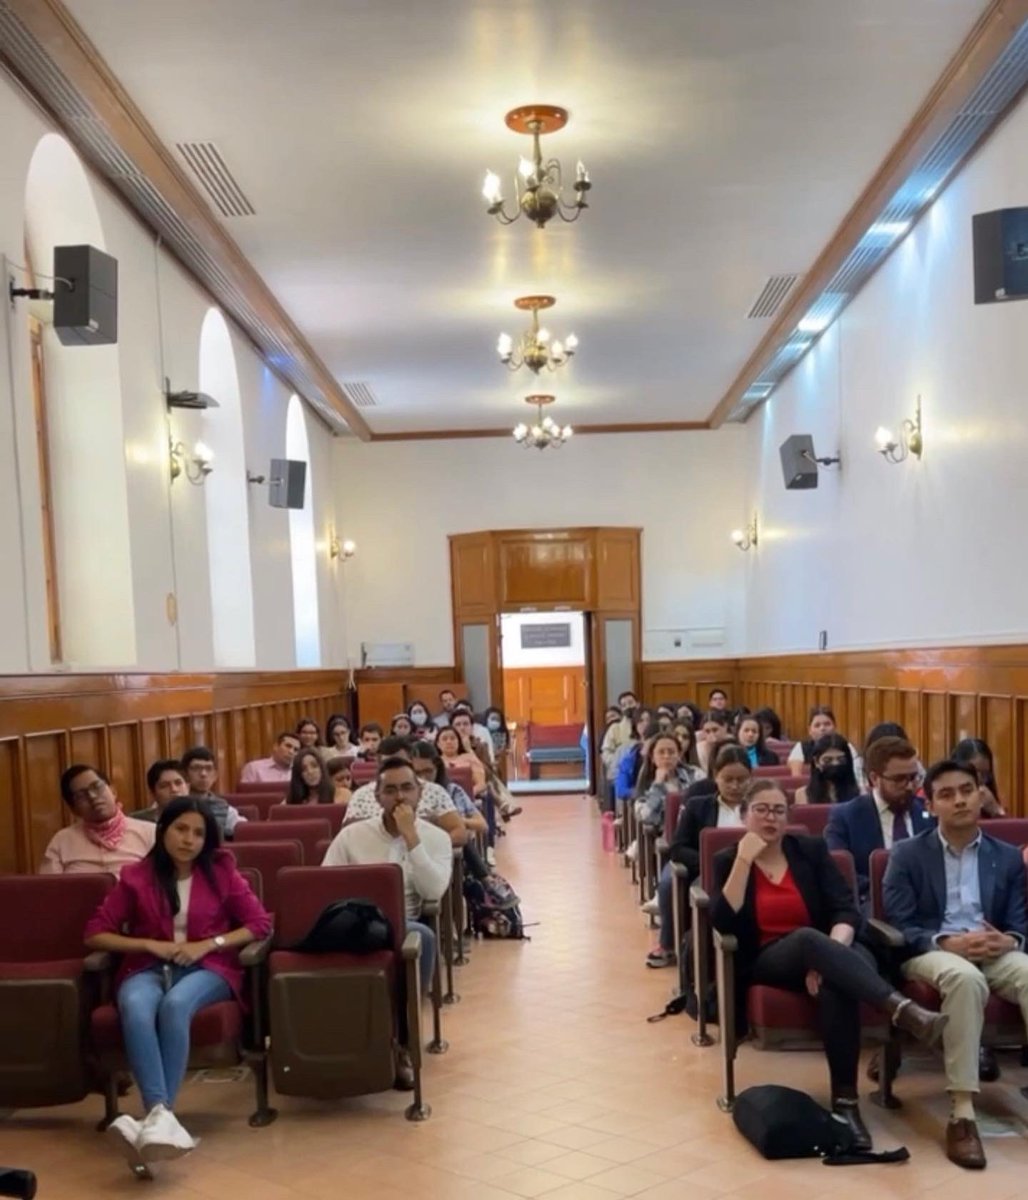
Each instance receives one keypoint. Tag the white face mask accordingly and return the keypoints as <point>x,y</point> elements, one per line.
<point>418,718</point>
<point>494,723</point>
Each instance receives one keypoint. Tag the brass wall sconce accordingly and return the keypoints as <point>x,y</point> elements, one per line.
<point>745,538</point>
<point>344,549</point>
<point>910,440</point>
<point>195,464</point>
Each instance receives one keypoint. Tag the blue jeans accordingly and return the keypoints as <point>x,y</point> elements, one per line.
<point>155,1025</point>
<point>427,963</point>
<point>665,893</point>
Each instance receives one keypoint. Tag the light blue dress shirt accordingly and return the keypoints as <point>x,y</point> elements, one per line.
<point>964,913</point>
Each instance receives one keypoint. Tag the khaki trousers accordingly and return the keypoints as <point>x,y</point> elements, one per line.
<point>965,987</point>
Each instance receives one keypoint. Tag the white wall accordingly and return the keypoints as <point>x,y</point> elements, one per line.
<point>166,525</point>
<point>400,500</point>
<point>544,656</point>
<point>928,552</point>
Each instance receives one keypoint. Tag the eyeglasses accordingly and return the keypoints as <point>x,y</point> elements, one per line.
<point>398,789</point>
<point>91,792</point>
<point>778,811</point>
<point>906,779</point>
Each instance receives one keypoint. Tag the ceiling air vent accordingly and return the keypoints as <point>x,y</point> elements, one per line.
<point>216,179</point>
<point>771,296</point>
<point>361,395</point>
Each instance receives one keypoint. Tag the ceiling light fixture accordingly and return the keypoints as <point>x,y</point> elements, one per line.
<point>195,465</point>
<point>745,538</point>
<point>538,185</point>
<point>910,440</point>
<point>535,348</point>
<point>544,431</point>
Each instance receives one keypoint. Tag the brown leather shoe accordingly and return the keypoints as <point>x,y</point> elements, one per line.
<point>921,1023</point>
<point>964,1146</point>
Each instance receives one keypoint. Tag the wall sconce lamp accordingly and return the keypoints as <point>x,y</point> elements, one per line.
<point>745,538</point>
<point>344,549</point>
<point>910,439</point>
<point>195,465</point>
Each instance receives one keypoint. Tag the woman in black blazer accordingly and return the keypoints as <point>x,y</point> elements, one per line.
<point>796,922</point>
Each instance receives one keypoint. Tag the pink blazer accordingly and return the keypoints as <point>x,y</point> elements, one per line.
<point>138,908</point>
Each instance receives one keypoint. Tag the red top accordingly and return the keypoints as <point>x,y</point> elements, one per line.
<point>779,907</point>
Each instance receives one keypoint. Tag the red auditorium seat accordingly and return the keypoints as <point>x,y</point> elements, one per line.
<point>334,814</point>
<point>48,985</point>
<point>362,772</point>
<point>268,858</point>
<point>308,832</point>
<point>262,789</point>
<point>262,801</point>
<point>813,817</point>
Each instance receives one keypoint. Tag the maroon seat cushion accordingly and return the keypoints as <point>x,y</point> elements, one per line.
<point>773,1009</point>
<point>60,968</point>
<point>213,1025</point>
<point>281,962</point>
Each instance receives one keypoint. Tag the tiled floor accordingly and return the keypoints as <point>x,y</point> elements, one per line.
<point>554,1086</point>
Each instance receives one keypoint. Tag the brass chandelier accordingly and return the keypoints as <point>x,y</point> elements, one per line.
<point>544,432</point>
<point>538,185</point>
<point>535,348</point>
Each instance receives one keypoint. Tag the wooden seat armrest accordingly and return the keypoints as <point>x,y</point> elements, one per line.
<point>98,961</point>
<point>698,897</point>
<point>430,910</point>
<point>411,948</point>
<point>726,943</point>
<point>254,953</point>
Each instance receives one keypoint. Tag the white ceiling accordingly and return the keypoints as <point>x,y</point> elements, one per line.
<point>725,139</point>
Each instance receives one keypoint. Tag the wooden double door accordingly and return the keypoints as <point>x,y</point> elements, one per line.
<point>595,571</point>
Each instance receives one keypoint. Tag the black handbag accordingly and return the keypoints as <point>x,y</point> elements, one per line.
<point>782,1122</point>
<point>348,927</point>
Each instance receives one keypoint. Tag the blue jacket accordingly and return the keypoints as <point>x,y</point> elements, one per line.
<point>854,826</point>
<point>915,888</point>
<point>628,772</point>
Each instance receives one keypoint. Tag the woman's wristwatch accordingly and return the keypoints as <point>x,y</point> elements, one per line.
<point>219,942</point>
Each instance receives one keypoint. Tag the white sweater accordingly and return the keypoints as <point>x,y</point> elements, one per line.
<point>426,868</point>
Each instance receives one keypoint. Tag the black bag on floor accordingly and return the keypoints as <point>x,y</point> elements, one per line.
<point>494,910</point>
<point>348,927</point>
<point>782,1122</point>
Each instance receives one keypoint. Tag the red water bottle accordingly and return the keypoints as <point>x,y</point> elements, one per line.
<point>608,832</point>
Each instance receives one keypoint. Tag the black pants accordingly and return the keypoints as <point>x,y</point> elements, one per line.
<point>848,976</point>
<point>474,864</point>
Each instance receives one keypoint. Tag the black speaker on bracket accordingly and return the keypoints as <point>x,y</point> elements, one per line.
<point>287,482</point>
<point>1000,255</point>
<point>85,296</point>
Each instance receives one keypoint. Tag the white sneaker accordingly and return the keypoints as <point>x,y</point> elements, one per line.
<point>161,1136</point>
<point>651,907</point>
<point>632,853</point>
<point>124,1132</point>
<point>490,856</point>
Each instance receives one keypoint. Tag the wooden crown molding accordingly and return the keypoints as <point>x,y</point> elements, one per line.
<point>437,435</point>
<point>74,56</point>
<point>972,62</point>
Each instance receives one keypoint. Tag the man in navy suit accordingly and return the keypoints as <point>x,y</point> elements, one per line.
<point>890,814</point>
<point>958,896</point>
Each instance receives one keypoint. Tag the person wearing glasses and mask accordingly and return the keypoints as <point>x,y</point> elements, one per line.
<point>890,814</point>
<point>833,779</point>
<point>790,908</point>
<point>101,838</point>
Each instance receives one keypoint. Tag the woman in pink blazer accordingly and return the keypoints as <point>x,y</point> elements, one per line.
<point>179,918</point>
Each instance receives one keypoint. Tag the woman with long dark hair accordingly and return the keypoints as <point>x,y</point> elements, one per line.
<point>749,733</point>
<point>770,723</point>
<point>978,754</point>
<point>310,782</point>
<point>309,733</point>
<point>833,779</point>
<point>339,741</point>
<point>178,918</point>
<point>820,723</point>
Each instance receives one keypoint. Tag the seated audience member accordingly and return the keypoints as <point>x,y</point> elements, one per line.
<point>770,723</point>
<point>397,835</point>
<point>435,803</point>
<point>401,726</point>
<point>749,733</point>
<point>832,778</point>
<point>340,775</point>
<point>447,701</point>
<point>958,897</point>
<point>429,767</point>
<point>476,735</point>
<point>165,781</point>
<point>629,756</point>
<point>977,753</point>
<point>308,733</point>
<point>821,723</point>
<point>422,725</point>
<point>720,809</point>
<point>792,911</point>
<point>618,733</point>
<point>662,773</point>
<point>278,767</point>
<point>102,837</point>
<point>685,735</point>
<point>890,814</point>
<point>370,738</point>
<point>717,700</point>
<point>179,919</point>
<point>883,729</point>
<point>339,738</point>
<point>201,775</point>
<point>456,752</point>
<point>496,725</point>
<point>715,728</point>
<point>310,783</point>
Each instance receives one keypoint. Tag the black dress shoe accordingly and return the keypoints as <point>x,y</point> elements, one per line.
<point>849,1110</point>
<point>988,1065</point>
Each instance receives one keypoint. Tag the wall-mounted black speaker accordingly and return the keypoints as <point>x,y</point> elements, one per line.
<point>1000,255</point>
<point>286,483</point>
<point>85,296</point>
<point>799,466</point>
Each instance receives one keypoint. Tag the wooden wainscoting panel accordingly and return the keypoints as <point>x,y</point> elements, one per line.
<point>617,570</point>
<point>666,682</point>
<point>473,574</point>
<point>122,723</point>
